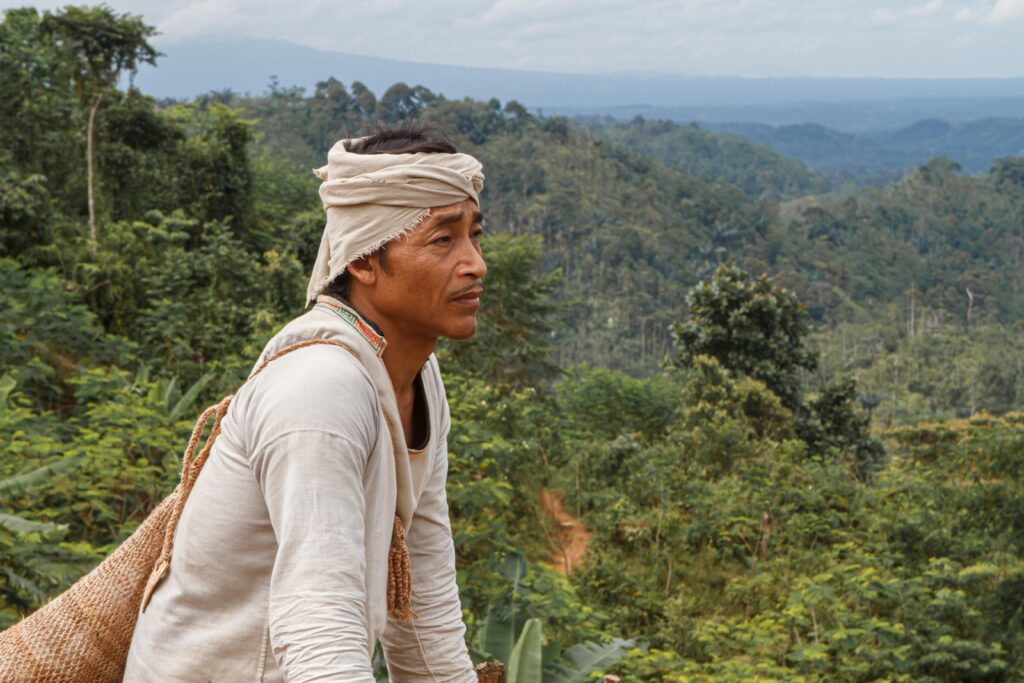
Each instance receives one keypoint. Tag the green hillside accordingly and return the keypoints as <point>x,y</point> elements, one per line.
<point>742,414</point>
<point>603,207</point>
<point>627,235</point>
<point>756,169</point>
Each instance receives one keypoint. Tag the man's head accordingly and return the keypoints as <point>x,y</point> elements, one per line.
<point>431,284</point>
<point>425,282</point>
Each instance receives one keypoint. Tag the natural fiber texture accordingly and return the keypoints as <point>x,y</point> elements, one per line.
<point>399,575</point>
<point>83,635</point>
<point>371,199</point>
<point>490,672</point>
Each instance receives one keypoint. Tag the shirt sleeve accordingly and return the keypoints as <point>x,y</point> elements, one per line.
<point>310,468</point>
<point>432,646</point>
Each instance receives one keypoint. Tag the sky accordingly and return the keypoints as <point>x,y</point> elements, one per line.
<point>754,38</point>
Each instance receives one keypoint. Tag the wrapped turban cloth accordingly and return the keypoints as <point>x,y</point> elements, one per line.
<point>371,199</point>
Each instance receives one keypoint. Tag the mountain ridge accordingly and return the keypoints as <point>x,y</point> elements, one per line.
<point>974,145</point>
<point>191,68</point>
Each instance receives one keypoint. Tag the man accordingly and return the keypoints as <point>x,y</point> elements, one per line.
<point>290,554</point>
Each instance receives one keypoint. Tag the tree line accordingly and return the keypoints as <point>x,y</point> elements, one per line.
<point>692,369</point>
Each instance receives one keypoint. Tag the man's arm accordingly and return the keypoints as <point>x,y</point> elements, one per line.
<point>310,469</point>
<point>431,647</point>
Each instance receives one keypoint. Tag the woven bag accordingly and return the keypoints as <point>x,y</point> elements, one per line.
<point>83,635</point>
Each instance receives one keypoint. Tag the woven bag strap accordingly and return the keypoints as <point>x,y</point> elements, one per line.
<point>191,465</point>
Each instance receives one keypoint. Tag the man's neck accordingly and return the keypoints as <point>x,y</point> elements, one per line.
<point>404,356</point>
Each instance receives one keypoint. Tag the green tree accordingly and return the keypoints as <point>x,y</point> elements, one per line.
<point>402,102</point>
<point>1009,172</point>
<point>34,106</point>
<point>513,343</point>
<point>24,210</point>
<point>99,46</point>
<point>365,100</point>
<point>833,422</point>
<point>751,326</point>
<point>330,114</point>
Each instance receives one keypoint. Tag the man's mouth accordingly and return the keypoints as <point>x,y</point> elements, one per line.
<point>469,298</point>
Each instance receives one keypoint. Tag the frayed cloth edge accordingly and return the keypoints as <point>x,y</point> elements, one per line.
<point>406,229</point>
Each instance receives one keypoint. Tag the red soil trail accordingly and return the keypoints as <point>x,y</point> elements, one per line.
<point>568,537</point>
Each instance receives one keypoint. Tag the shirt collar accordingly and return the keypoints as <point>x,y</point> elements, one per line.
<point>366,328</point>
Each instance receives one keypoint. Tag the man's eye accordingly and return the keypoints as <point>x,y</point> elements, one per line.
<point>444,239</point>
<point>477,234</point>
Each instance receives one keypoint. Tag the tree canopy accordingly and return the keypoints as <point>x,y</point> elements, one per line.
<point>803,485</point>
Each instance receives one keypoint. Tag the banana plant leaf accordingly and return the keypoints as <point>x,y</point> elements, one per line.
<point>581,660</point>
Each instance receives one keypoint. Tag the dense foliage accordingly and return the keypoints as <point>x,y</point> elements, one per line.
<point>745,523</point>
<point>879,270</point>
<point>756,169</point>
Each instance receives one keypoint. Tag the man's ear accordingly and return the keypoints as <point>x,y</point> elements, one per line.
<point>364,270</point>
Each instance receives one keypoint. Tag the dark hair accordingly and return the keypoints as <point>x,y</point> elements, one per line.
<point>405,137</point>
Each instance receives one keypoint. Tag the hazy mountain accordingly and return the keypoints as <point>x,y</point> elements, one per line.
<point>974,145</point>
<point>854,115</point>
<point>191,68</point>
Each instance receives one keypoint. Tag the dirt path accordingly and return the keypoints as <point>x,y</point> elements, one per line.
<point>568,539</point>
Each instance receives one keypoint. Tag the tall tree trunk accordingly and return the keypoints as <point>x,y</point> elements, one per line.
<point>90,147</point>
<point>913,309</point>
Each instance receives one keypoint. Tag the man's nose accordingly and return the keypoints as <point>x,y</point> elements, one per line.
<point>471,261</point>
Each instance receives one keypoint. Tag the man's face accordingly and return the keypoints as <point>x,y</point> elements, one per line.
<point>433,280</point>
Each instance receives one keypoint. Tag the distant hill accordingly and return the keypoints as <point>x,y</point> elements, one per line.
<point>631,233</point>
<point>975,145</point>
<point>755,168</point>
<point>856,114</point>
<point>246,65</point>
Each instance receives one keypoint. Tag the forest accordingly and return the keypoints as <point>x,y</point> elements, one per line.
<point>775,425</point>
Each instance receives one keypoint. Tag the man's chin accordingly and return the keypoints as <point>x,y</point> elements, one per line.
<point>460,332</point>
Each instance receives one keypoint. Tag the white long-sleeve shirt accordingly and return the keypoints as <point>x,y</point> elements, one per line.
<point>279,570</point>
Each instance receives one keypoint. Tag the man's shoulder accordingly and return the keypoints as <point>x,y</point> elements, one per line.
<point>315,363</point>
<point>305,361</point>
<point>320,387</point>
<point>310,326</point>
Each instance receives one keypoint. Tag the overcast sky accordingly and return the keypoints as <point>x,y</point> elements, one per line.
<point>888,38</point>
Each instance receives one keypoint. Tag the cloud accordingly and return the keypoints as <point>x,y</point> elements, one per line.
<point>1005,12</point>
<point>965,15</point>
<point>743,37</point>
<point>200,18</point>
<point>928,9</point>
<point>887,16</point>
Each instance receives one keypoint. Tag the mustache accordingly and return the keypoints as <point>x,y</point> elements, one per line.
<point>477,286</point>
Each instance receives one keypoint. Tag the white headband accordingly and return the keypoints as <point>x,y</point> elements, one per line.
<point>371,199</point>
